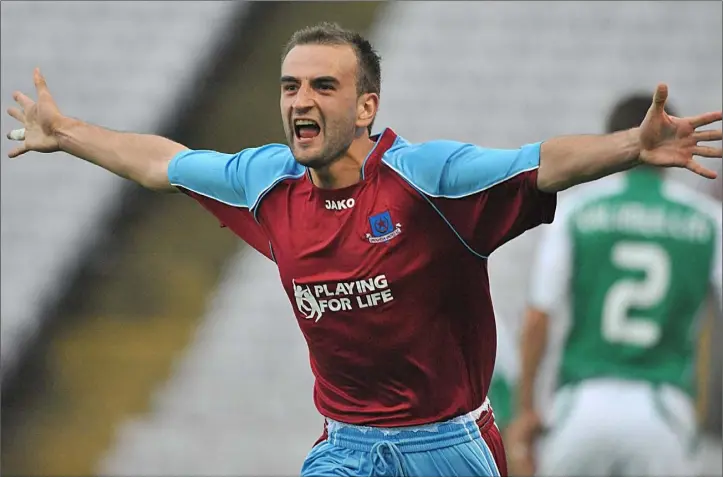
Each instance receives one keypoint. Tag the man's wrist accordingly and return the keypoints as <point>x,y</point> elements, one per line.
<point>632,146</point>
<point>61,129</point>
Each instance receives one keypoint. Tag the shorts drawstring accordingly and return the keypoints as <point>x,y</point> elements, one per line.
<point>389,463</point>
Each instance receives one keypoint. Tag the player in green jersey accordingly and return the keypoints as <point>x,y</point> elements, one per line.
<point>631,260</point>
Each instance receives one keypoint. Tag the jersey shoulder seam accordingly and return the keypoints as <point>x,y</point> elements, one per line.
<point>287,168</point>
<point>426,197</point>
<point>437,193</point>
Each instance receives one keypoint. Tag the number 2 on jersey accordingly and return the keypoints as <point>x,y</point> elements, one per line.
<point>617,325</point>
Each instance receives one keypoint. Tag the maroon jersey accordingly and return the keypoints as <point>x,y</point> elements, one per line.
<point>388,277</point>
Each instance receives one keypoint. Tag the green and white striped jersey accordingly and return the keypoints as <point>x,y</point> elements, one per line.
<point>634,256</point>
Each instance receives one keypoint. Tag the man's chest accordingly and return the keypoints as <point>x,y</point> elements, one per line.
<point>357,251</point>
<point>347,234</point>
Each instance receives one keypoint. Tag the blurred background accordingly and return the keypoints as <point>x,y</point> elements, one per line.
<point>138,337</point>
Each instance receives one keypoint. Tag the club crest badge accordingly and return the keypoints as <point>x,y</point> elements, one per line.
<point>383,228</point>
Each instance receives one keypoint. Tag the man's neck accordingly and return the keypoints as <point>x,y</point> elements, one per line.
<point>346,170</point>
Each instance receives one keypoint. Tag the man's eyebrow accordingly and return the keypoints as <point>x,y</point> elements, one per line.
<point>325,79</point>
<point>320,79</point>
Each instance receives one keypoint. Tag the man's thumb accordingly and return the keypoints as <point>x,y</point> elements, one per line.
<point>660,97</point>
<point>39,79</point>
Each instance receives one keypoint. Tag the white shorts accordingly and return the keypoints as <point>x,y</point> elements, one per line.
<point>605,427</point>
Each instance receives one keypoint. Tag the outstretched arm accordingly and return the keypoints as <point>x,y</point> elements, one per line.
<point>142,158</point>
<point>661,140</point>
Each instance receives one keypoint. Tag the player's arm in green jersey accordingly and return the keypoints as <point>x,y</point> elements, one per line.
<point>716,277</point>
<point>549,285</point>
<point>502,390</point>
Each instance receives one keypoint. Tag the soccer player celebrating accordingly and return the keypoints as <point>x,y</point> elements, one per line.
<point>634,257</point>
<point>381,244</point>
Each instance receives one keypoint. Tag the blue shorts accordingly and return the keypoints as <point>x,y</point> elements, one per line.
<point>451,448</point>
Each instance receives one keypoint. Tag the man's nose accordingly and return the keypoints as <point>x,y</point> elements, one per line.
<point>304,99</point>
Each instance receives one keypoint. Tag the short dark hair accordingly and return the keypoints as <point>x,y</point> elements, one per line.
<point>369,79</point>
<point>630,111</point>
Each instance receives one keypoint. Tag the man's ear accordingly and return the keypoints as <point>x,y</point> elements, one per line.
<point>367,107</point>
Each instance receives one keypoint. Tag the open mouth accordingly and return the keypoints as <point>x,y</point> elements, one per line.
<point>306,128</point>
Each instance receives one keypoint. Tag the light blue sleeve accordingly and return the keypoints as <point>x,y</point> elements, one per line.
<point>453,169</point>
<point>239,179</point>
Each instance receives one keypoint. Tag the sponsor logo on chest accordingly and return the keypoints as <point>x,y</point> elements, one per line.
<point>313,301</point>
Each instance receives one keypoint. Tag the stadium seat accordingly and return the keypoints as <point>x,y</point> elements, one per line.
<point>130,64</point>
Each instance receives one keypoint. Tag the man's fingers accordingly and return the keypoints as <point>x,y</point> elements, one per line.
<point>22,100</point>
<point>694,166</point>
<point>703,119</point>
<point>17,134</point>
<point>39,80</point>
<point>660,97</point>
<point>18,151</point>
<point>706,151</point>
<point>17,114</point>
<point>708,135</point>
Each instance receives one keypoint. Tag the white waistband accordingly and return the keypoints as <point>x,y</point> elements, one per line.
<point>333,426</point>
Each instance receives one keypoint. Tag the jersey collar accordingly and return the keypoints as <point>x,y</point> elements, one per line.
<point>384,142</point>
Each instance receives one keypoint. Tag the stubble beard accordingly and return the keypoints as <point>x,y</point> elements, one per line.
<point>334,148</point>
